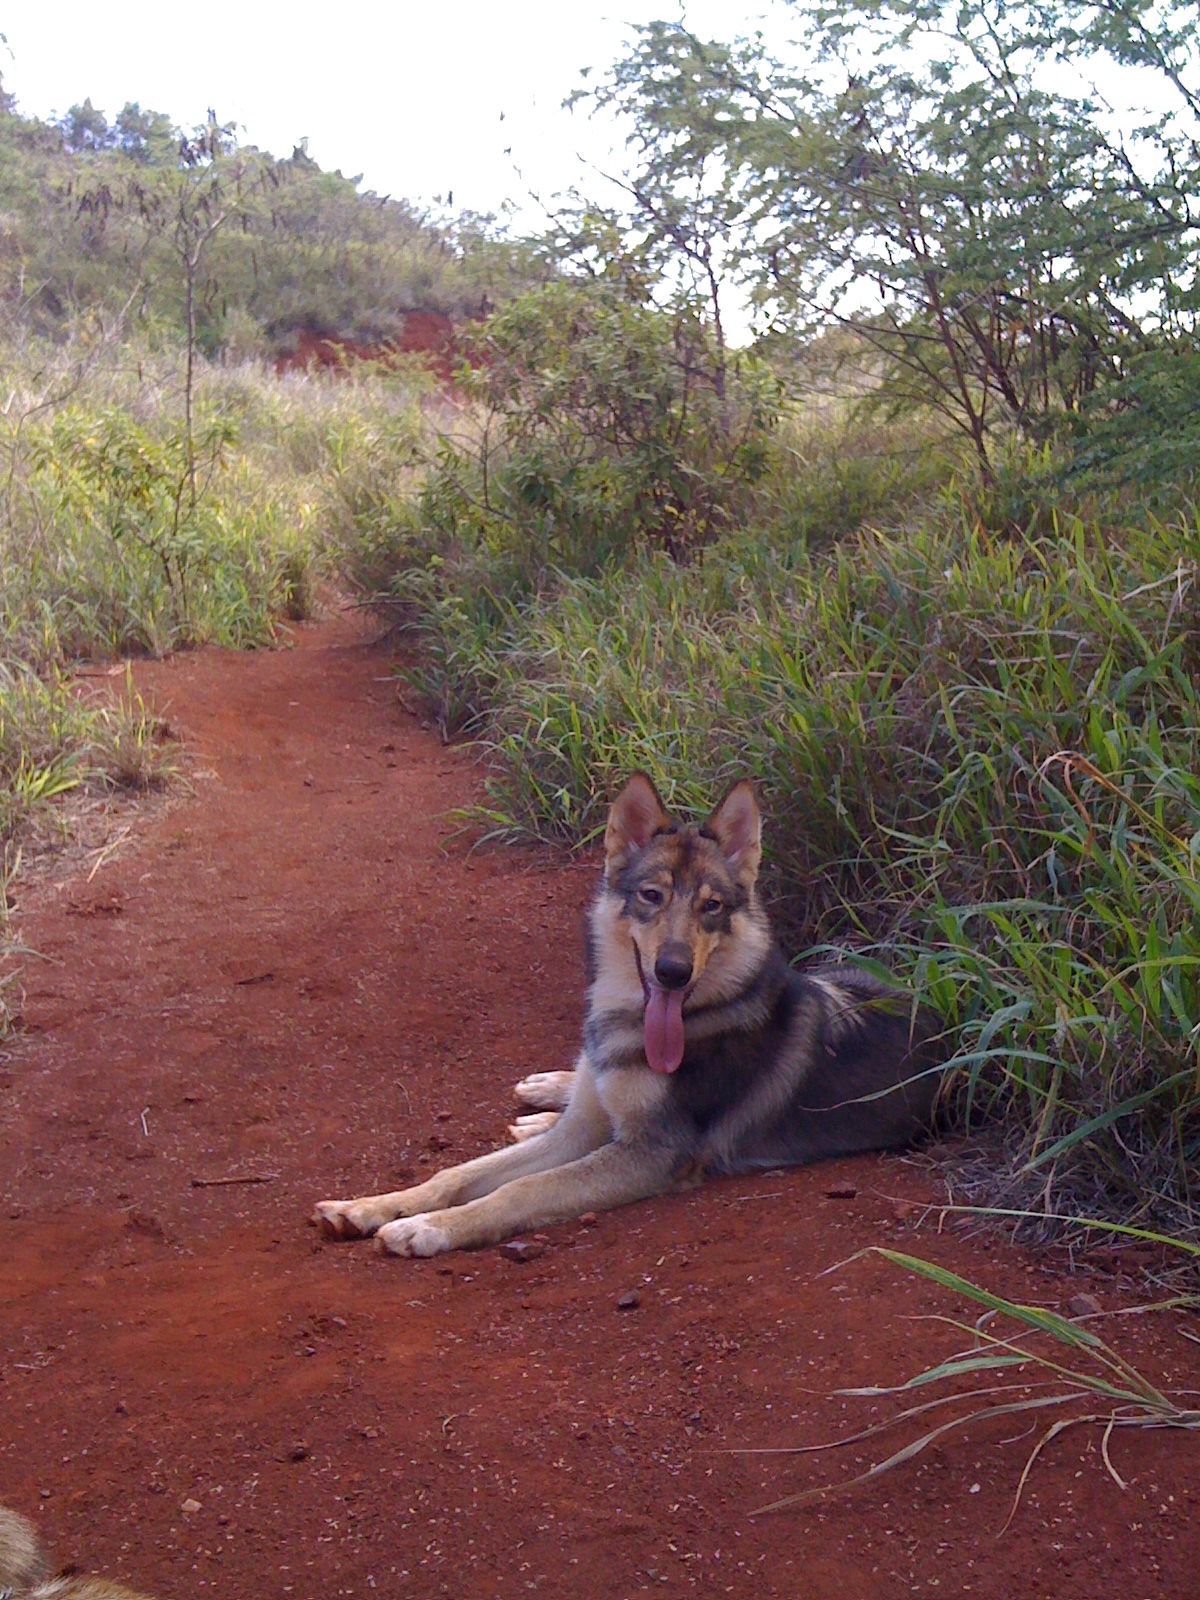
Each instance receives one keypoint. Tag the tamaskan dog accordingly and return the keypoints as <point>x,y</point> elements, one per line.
<point>703,1051</point>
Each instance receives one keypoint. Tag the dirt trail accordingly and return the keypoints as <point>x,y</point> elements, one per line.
<point>302,972</point>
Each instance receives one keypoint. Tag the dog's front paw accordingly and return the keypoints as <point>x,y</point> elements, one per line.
<point>413,1236</point>
<point>349,1219</point>
<point>545,1091</point>
<point>533,1123</point>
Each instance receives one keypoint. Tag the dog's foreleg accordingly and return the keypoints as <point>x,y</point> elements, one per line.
<point>583,1127</point>
<point>612,1176</point>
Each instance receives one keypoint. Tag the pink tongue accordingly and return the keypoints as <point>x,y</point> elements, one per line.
<point>664,1028</point>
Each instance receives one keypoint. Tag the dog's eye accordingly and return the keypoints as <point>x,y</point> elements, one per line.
<point>710,908</point>
<point>652,897</point>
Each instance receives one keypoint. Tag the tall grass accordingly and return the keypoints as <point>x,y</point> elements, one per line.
<point>107,550</point>
<point>980,757</point>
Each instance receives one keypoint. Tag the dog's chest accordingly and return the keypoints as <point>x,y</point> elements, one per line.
<point>631,1097</point>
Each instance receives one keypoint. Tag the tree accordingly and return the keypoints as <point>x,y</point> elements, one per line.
<point>147,136</point>
<point>687,209</point>
<point>84,128</point>
<point>596,429</point>
<point>999,246</point>
<point>208,188</point>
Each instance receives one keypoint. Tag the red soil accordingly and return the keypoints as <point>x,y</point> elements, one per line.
<point>304,972</point>
<point>428,333</point>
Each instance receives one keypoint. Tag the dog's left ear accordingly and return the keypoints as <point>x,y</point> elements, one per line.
<point>737,827</point>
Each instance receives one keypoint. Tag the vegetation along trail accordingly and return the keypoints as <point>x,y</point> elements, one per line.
<point>302,974</point>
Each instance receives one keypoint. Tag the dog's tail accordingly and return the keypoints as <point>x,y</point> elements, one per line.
<point>27,1574</point>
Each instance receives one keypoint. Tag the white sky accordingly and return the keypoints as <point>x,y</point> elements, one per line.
<point>409,94</point>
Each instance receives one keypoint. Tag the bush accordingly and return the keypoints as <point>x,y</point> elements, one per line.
<point>600,428</point>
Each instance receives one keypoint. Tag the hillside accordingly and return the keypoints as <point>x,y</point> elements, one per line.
<point>98,219</point>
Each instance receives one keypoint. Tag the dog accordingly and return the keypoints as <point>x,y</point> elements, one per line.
<point>703,1051</point>
<point>26,1574</point>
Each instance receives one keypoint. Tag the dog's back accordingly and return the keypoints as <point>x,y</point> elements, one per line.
<point>843,1064</point>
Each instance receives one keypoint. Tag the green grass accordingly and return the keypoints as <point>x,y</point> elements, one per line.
<point>1019,1361</point>
<point>103,553</point>
<point>980,759</point>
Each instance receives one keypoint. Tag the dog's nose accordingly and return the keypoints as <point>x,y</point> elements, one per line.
<point>673,967</point>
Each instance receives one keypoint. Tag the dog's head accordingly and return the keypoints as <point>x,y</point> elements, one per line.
<point>686,899</point>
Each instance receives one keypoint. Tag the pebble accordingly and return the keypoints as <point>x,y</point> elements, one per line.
<point>298,1452</point>
<point>589,1219</point>
<point>845,1191</point>
<point>190,1506</point>
<point>629,1301</point>
<point>1083,1305</point>
<point>522,1250</point>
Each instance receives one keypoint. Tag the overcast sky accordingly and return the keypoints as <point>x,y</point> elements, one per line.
<point>409,94</point>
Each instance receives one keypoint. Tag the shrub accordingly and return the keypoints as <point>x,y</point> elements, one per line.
<point>600,429</point>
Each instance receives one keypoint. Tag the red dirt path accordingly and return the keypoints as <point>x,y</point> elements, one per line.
<point>307,974</point>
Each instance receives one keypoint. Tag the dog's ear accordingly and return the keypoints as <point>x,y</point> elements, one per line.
<point>737,828</point>
<point>636,816</point>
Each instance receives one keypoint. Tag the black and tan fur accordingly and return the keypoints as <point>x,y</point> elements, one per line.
<point>27,1574</point>
<point>778,1067</point>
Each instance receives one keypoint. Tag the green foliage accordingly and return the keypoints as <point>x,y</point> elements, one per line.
<point>42,730</point>
<point>106,473</point>
<point>1145,430</point>
<point>103,551</point>
<point>371,458</point>
<point>1002,250</point>
<point>832,474</point>
<point>131,564</point>
<point>685,220</point>
<point>599,431</point>
<point>103,219</point>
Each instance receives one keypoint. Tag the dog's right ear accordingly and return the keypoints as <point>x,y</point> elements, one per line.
<point>636,816</point>
<point>737,828</point>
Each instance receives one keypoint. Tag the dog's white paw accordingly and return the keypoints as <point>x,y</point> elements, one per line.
<point>545,1091</point>
<point>412,1236</point>
<point>528,1127</point>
